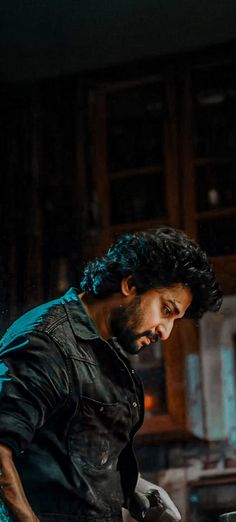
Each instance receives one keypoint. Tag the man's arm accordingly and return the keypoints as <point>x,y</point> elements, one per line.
<point>12,492</point>
<point>33,381</point>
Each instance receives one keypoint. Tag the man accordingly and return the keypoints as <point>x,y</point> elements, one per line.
<point>70,402</point>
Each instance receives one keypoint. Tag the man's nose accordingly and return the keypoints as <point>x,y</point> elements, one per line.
<point>165,328</point>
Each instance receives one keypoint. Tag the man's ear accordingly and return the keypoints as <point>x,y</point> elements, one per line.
<point>127,287</point>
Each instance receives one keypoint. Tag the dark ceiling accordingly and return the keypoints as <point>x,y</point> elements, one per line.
<point>40,38</point>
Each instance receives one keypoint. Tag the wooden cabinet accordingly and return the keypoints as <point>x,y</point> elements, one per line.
<point>208,160</point>
<point>163,151</point>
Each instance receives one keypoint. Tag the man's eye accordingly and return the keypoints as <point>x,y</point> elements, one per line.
<point>167,310</point>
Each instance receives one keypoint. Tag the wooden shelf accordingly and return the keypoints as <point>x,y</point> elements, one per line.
<point>208,477</point>
<point>163,427</point>
<point>198,162</point>
<point>140,171</point>
<point>159,423</point>
<point>216,213</point>
<point>126,84</point>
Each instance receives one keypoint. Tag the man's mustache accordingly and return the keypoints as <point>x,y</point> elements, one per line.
<point>148,333</point>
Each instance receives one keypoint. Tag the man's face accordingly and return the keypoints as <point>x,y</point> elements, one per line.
<point>149,317</point>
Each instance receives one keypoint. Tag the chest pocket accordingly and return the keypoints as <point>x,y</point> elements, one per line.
<point>99,433</point>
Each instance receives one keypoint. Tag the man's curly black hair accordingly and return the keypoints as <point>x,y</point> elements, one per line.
<point>158,258</point>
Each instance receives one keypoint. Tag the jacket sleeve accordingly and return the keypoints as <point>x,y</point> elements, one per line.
<point>33,383</point>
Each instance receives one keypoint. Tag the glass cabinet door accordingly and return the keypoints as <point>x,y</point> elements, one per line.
<point>211,98</point>
<point>135,154</point>
<point>150,366</point>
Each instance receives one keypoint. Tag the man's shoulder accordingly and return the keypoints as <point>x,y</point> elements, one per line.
<point>44,318</point>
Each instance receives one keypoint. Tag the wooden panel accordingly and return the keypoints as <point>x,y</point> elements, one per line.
<point>171,161</point>
<point>225,268</point>
<point>101,238</point>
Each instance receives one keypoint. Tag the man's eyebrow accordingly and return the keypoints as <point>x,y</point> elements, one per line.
<point>176,309</point>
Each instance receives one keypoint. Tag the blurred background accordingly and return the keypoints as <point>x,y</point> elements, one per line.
<point>118,116</point>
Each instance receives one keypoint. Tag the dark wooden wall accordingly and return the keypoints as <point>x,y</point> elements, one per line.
<point>42,206</point>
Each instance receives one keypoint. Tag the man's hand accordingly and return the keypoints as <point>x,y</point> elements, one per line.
<point>11,489</point>
<point>151,503</point>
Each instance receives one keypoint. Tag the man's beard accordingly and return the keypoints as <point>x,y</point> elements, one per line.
<point>124,323</point>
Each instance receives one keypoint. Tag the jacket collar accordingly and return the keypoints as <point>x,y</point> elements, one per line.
<point>81,323</point>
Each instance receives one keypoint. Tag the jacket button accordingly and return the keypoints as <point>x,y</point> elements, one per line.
<point>135,404</point>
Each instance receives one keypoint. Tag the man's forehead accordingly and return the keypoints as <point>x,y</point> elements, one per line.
<point>177,295</point>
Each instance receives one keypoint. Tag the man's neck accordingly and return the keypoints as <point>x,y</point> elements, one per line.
<point>99,311</point>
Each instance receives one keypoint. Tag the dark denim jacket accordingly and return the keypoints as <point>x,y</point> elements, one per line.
<point>70,404</point>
